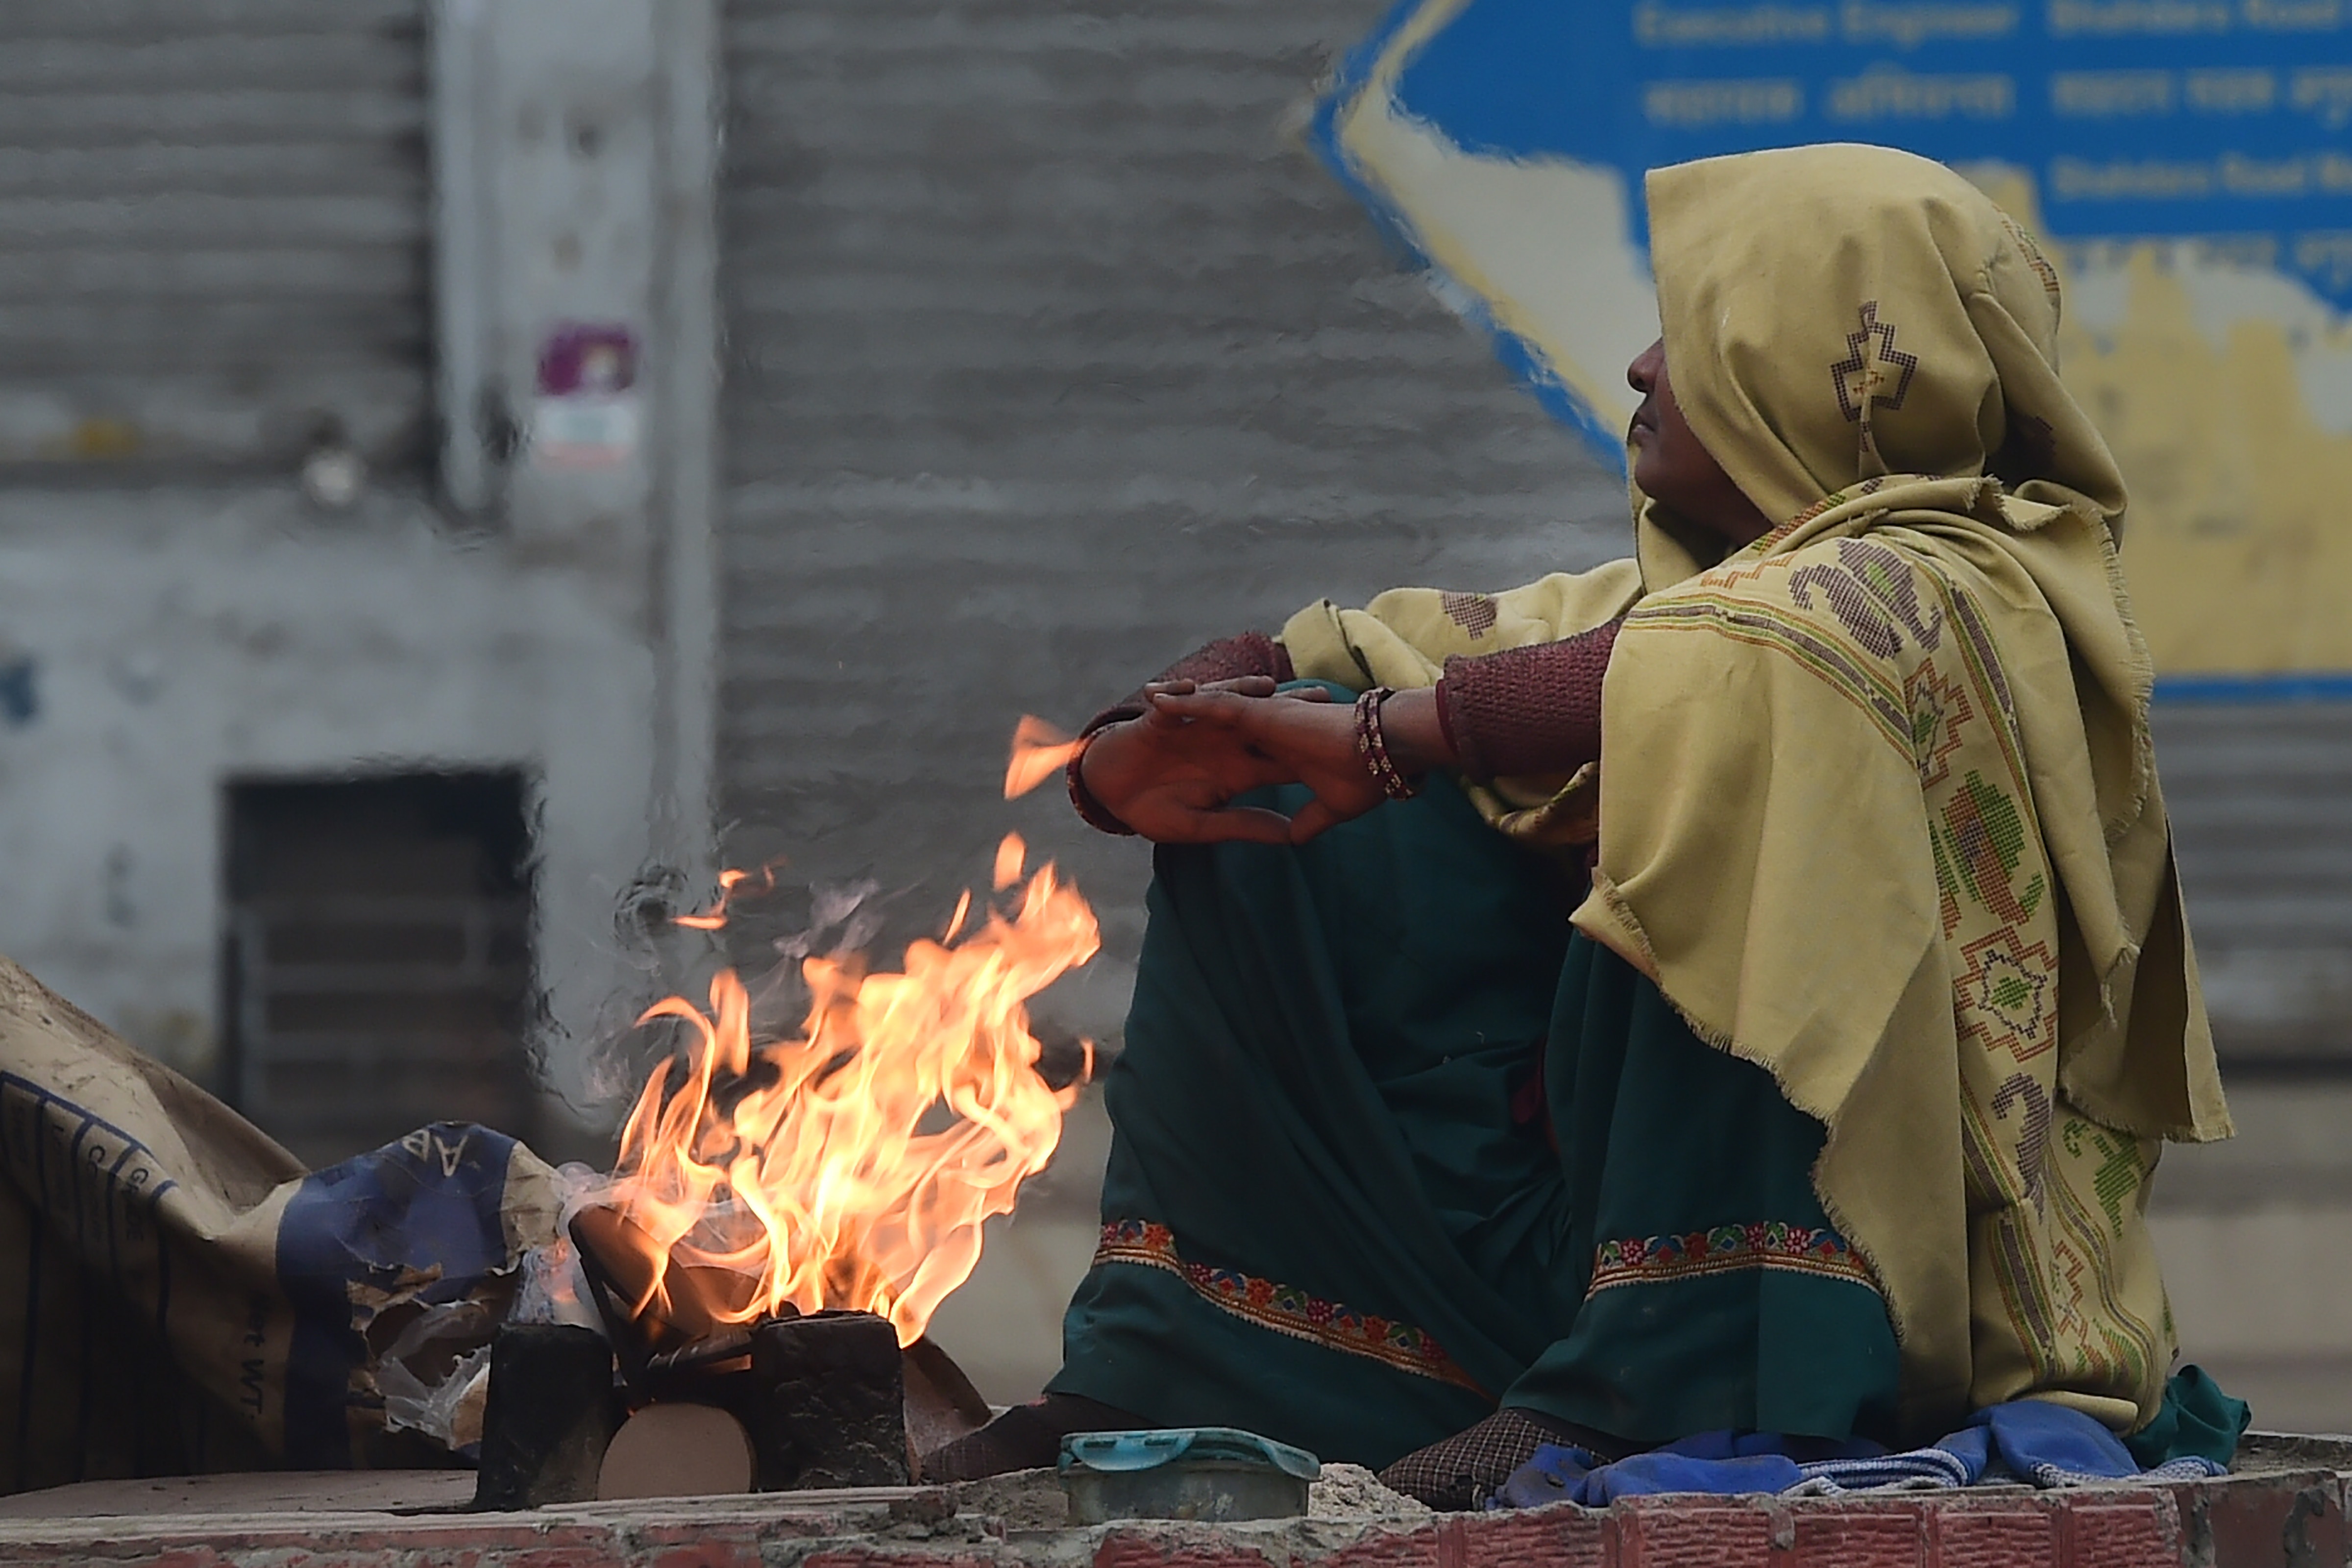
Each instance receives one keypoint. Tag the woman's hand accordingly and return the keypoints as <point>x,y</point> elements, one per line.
<point>1240,733</point>
<point>1170,780</point>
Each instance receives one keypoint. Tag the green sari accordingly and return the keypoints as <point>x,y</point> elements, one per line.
<point>1393,1147</point>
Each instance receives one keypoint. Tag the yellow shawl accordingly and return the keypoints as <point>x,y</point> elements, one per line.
<point>1879,809</point>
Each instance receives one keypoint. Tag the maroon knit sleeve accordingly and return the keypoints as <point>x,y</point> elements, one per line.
<point>1533,709</point>
<point>1227,659</point>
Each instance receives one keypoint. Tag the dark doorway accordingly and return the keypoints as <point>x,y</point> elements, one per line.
<point>377,964</point>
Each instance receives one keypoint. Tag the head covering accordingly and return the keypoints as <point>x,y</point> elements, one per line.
<point>1866,257</point>
<point>1878,797</point>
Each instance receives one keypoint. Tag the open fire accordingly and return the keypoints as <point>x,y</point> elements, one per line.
<point>852,1164</point>
<point>787,1212</point>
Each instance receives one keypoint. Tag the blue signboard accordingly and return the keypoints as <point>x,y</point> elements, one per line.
<point>2134,117</point>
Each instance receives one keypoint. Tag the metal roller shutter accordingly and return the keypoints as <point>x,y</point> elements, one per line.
<point>1052,353</point>
<point>213,225</point>
<point>2260,798</point>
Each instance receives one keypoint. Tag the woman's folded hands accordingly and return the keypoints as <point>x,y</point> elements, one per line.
<point>1173,773</point>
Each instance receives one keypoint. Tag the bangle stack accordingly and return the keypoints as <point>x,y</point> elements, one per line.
<point>1374,747</point>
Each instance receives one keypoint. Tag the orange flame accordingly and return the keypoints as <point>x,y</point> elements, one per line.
<point>715,918</point>
<point>853,1166</point>
<point>1039,752</point>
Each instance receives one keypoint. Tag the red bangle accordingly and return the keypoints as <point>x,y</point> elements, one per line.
<point>1091,811</point>
<point>1373,746</point>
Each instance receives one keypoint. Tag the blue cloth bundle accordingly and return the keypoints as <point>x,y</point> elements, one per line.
<point>2029,1440</point>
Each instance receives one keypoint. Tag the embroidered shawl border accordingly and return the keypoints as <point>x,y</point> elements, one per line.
<point>1284,1309</point>
<point>1724,1249</point>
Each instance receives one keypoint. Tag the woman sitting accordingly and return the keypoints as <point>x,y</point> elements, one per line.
<point>1830,1108</point>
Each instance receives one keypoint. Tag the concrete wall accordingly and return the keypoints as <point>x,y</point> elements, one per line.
<point>179,637</point>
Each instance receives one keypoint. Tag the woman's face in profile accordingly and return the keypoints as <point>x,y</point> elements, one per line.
<point>1674,467</point>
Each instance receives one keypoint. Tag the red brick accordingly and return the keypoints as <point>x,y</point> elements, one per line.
<point>1555,1537</point>
<point>1560,1536</point>
<point>1137,1549</point>
<point>1677,1532</point>
<point>1421,1548</point>
<point>1857,1535</point>
<point>1991,1532</point>
<point>2135,1530</point>
<point>742,1551</point>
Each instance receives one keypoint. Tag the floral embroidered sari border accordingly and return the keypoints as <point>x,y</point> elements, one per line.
<point>1283,1309</point>
<point>1724,1249</point>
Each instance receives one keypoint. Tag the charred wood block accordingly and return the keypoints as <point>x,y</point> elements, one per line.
<point>553,1410</point>
<point>830,1404</point>
<point>616,1259</point>
<point>942,1404</point>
